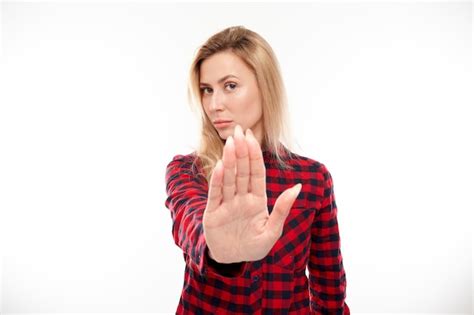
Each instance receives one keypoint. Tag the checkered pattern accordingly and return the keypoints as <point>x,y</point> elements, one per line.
<point>276,284</point>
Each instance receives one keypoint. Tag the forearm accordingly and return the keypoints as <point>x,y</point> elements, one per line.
<point>187,199</point>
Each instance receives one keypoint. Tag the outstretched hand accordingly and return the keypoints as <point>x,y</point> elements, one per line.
<point>237,225</point>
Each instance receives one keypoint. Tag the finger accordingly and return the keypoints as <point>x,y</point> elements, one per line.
<point>281,209</point>
<point>215,187</point>
<point>257,165</point>
<point>242,155</point>
<point>228,190</point>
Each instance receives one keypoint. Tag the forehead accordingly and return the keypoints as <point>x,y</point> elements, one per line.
<point>221,64</point>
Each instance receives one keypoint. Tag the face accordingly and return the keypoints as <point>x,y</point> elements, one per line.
<point>229,92</point>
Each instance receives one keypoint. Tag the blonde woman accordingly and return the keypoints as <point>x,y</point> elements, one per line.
<point>249,214</point>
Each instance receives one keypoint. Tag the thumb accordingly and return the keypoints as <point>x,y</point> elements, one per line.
<point>282,207</point>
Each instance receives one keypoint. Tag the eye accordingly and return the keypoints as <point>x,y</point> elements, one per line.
<point>232,84</point>
<point>203,90</point>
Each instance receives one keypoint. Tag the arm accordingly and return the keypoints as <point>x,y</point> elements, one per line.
<point>187,199</point>
<point>327,276</point>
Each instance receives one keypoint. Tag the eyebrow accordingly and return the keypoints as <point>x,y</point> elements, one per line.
<point>220,80</point>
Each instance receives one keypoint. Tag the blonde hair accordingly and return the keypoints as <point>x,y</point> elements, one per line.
<point>257,54</point>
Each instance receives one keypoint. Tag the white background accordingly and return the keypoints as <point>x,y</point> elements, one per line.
<point>93,107</point>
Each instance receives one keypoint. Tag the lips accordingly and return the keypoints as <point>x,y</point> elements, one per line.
<point>218,121</point>
<point>222,123</point>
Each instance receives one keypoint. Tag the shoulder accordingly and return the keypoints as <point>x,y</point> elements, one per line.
<point>181,163</point>
<point>182,159</point>
<point>309,164</point>
<point>313,172</point>
<point>184,164</point>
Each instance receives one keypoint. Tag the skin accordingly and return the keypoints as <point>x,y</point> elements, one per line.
<point>236,98</point>
<point>236,222</point>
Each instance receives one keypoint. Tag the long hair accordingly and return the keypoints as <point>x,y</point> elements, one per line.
<point>257,54</point>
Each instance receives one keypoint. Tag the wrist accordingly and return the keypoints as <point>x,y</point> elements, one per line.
<point>210,255</point>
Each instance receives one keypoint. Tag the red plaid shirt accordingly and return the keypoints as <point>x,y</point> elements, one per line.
<point>276,284</point>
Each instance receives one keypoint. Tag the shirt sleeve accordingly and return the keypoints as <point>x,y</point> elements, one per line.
<point>187,200</point>
<point>327,277</point>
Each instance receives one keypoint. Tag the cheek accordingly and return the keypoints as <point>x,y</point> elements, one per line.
<point>205,105</point>
<point>247,99</point>
<point>252,104</point>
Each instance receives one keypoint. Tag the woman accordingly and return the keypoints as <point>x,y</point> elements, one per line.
<point>249,214</point>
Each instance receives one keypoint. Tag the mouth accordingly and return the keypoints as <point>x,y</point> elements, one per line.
<point>222,123</point>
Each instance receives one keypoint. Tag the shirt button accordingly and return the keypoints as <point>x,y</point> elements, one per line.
<point>256,278</point>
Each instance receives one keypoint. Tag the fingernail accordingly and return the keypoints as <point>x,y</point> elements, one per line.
<point>238,129</point>
<point>250,131</point>
<point>297,188</point>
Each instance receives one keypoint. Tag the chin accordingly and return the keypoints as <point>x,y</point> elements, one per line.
<point>223,134</point>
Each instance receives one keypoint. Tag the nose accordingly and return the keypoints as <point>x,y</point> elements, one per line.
<point>216,102</point>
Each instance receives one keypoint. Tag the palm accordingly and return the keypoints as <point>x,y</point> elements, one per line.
<point>241,229</point>
<point>237,225</point>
